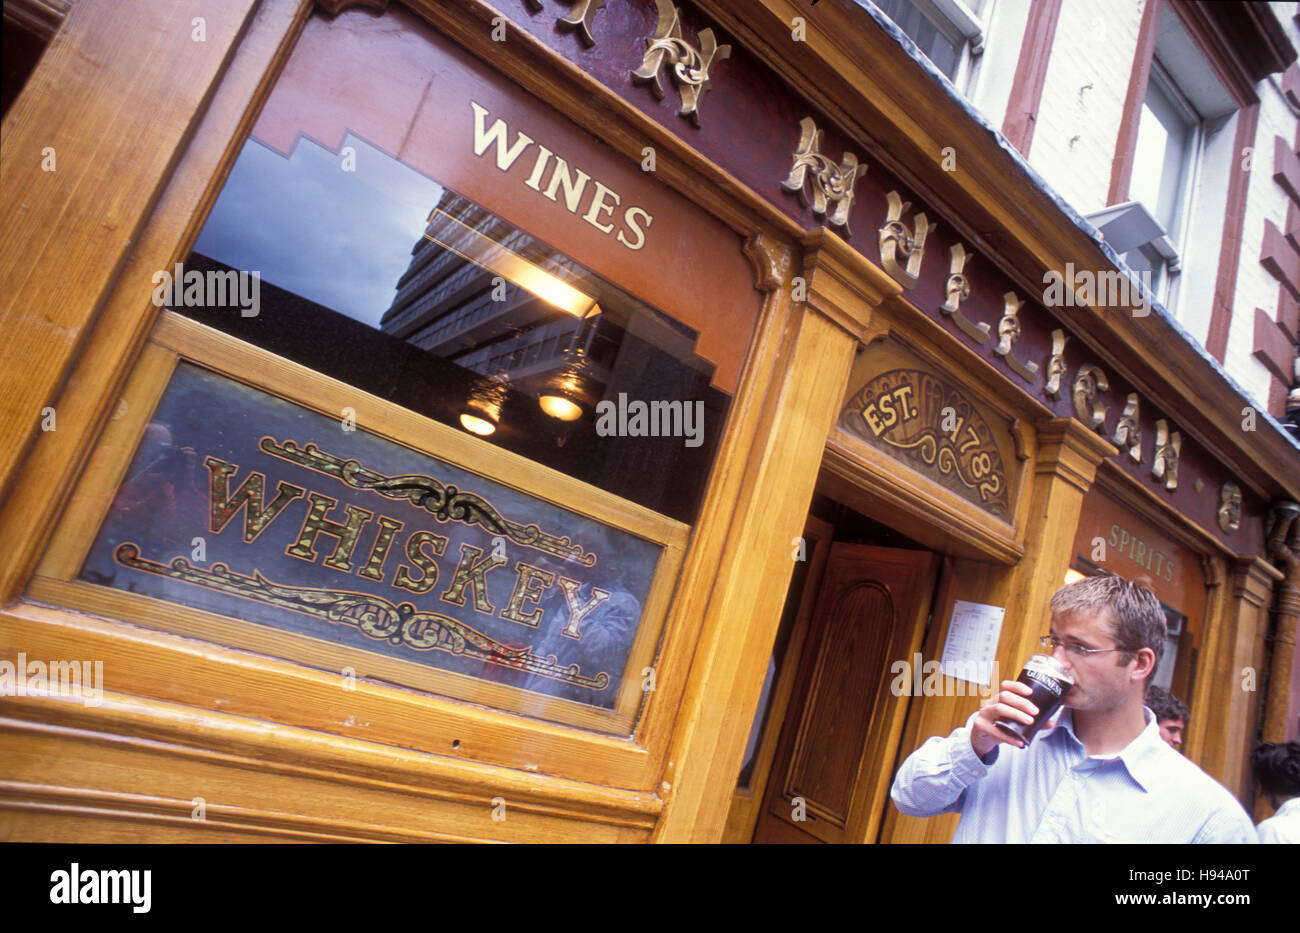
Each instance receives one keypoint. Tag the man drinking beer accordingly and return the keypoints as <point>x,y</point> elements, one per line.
<point>1098,771</point>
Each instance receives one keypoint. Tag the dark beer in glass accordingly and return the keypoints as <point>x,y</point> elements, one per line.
<point>1050,682</point>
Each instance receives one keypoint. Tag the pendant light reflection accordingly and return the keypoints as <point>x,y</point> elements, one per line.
<point>563,396</point>
<point>482,411</point>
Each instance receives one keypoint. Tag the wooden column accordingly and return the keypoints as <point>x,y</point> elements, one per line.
<point>1282,713</point>
<point>1225,704</point>
<point>1065,466</point>
<point>812,347</point>
<point>88,146</point>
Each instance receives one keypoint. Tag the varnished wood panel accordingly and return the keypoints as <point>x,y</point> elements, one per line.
<point>104,84</point>
<point>833,729</point>
<point>157,785</point>
<point>90,397</point>
<point>798,370</point>
<point>838,742</point>
<point>747,800</point>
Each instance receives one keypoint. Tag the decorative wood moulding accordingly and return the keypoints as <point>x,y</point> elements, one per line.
<point>810,171</point>
<point>869,481</point>
<point>39,17</point>
<point>772,262</point>
<point>1212,567</point>
<point>1008,334</point>
<point>896,241</point>
<point>689,67</point>
<point>1067,449</point>
<point>842,284</point>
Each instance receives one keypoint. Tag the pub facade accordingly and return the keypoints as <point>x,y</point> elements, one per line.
<point>624,421</point>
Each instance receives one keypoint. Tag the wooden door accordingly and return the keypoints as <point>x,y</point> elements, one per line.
<point>805,584</point>
<point>830,778</point>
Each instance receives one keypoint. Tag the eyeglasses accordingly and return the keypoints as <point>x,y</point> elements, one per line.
<point>1051,643</point>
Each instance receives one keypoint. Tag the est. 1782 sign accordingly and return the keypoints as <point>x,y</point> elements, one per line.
<point>919,419</point>
<point>241,503</point>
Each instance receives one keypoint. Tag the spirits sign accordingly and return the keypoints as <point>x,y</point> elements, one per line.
<point>932,426</point>
<point>244,504</point>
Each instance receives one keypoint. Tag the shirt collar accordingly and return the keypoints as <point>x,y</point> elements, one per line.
<point>1140,757</point>
<point>1289,809</point>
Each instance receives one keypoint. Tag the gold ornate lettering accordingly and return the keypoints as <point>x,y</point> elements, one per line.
<point>580,17</point>
<point>223,506</point>
<point>315,524</point>
<point>898,241</point>
<point>1056,364</point>
<point>1128,433</point>
<point>374,568</point>
<point>689,68</point>
<point>445,503</point>
<point>372,616</point>
<point>578,610</point>
<point>422,561</point>
<point>531,584</point>
<point>812,171</point>
<point>1088,382</point>
<point>1165,463</point>
<point>1008,334</point>
<point>957,290</point>
<point>472,572</point>
<point>1229,508</point>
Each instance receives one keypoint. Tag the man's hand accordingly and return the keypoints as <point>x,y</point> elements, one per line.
<point>1009,705</point>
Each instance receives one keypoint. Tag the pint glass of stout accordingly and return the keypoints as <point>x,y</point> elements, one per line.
<point>1050,681</point>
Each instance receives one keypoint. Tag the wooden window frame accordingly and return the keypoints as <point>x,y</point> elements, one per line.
<point>603,770</point>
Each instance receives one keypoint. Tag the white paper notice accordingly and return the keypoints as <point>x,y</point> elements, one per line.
<point>972,643</point>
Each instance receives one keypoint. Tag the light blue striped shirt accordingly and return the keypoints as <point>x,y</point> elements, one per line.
<point>1054,792</point>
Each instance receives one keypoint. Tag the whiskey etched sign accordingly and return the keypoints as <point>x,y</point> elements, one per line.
<point>244,504</point>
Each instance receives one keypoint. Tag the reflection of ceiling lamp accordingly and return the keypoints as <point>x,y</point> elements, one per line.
<point>562,396</point>
<point>482,411</point>
<point>468,243</point>
<point>1072,576</point>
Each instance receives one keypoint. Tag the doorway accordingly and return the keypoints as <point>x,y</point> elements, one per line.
<point>827,730</point>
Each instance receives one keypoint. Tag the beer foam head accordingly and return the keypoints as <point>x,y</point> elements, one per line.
<point>1047,665</point>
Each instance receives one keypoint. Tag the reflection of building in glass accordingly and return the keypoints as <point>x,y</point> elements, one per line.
<point>478,315</point>
<point>518,308</point>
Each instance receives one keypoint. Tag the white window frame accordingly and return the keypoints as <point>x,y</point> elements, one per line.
<point>961,26</point>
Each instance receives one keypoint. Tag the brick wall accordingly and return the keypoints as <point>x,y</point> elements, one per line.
<point>1083,98</point>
